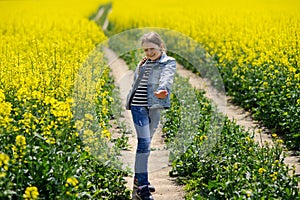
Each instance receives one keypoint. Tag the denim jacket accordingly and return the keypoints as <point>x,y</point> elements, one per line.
<point>160,78</point>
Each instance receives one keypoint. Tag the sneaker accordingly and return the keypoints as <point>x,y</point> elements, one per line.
<point>143,193</point>
<point>151,187</point>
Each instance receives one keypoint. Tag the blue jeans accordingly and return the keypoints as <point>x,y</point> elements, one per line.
<point>145,122</point>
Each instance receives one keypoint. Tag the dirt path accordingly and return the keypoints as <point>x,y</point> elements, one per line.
<point>99,14</point>
<point>166,188</point>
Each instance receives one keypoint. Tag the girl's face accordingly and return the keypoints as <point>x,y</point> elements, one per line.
<point>152,50</point>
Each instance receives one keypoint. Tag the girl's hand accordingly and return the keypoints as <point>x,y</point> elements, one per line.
<point>161,94</point>
<point>143,61</point>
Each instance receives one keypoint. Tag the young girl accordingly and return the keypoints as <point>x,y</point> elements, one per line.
<point>150,93</point>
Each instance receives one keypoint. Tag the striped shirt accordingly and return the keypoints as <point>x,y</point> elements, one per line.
<point>140,95</point>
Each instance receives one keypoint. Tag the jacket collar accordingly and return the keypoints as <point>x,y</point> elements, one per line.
<point>164,58</point>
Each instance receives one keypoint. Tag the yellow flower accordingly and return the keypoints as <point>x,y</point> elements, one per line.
<point>104,111</point>
<point>5,109</point>
<point>235,68</point>
<point>89,117</point>
<point>79,124</point>
<point>274,176</point>
<point>4,159</point>
<point>73,181</point>
<point>51,140</point>
<point>69,100</point>
<point>279,141</point>
<point>2,96</point>
<point>31,193</point>
<point>21,141</point>
<point>88,133</point>
<point>105,133</point>
<point>248,139</point>
<point>2,174</point>
<point>249,193</point>
<point>203,137</point>
<point>261,170</point>
<point>87,149</point>
<point>236,165</point>
<point>265,84</point>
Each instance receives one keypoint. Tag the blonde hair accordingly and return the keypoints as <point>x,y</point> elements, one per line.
<point>154,38</point>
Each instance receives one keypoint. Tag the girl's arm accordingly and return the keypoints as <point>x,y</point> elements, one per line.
<point>166,79</point>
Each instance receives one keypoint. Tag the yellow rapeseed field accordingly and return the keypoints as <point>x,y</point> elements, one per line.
<point>44,46</point>
<point>51,146</point>
<point>256,44</point>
